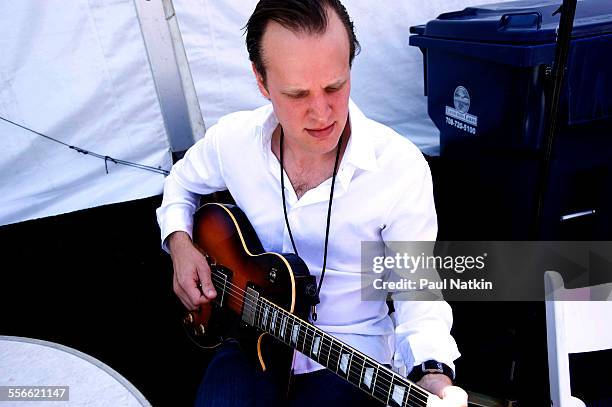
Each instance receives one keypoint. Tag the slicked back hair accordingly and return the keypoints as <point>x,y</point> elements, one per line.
<point>306,16</point>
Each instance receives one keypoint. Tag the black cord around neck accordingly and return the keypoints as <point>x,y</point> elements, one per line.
<point>329,207</point>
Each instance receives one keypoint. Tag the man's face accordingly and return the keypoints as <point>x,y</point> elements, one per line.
<point>308,82</point>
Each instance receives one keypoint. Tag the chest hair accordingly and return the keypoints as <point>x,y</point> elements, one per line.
<point>303,182</point>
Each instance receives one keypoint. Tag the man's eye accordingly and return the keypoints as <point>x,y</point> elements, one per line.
<point>296,95</point>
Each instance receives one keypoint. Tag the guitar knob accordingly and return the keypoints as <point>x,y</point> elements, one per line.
<point>200,330</point>
<point>188,319</point>
<point>211,261</point>
<point>311,290</point>
<point>272,275</point>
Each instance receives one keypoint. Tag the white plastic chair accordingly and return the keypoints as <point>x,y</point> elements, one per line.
<point>577,321</point>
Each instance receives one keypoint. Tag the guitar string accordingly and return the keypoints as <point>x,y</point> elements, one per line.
<point>354,368</point>
<point>382,376</point>
<point>336,359</point>
<point>236,292</point>
<point>387,381</point>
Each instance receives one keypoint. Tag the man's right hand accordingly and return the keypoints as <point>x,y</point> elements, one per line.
<point>190,268</point>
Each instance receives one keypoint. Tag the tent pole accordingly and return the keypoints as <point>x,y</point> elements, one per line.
<point>173,81</point>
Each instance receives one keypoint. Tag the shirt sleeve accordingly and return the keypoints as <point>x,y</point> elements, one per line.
<point>422,329</point>
<point>199,172</point>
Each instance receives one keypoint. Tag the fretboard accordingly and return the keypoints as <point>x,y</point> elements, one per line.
<point>347,362</point>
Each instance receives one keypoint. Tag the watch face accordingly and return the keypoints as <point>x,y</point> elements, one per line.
<point>433,366</point>
<point>430,366</point>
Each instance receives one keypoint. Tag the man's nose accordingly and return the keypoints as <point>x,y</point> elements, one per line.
<point>320,108</point>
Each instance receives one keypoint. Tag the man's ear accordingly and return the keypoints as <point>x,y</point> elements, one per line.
<point>260,82</point>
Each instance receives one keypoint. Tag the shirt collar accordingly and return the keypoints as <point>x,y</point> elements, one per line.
<point>360,150</point>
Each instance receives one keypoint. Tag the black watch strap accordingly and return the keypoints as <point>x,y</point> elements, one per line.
<point>430,366</point>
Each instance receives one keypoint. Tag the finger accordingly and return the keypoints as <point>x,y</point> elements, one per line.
<point>193,292</point>
<point>454,396</point>
<point>435,401</point>
<point>207,286</point>
<point>181,294</point>
<point>188,291</point>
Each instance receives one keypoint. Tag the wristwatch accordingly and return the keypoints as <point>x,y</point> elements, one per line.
<point>430,366</point>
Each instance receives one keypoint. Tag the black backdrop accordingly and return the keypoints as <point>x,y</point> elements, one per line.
<point>97,280</point>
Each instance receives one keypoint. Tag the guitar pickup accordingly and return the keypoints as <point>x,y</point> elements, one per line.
<point>221,278</point>
<point>249,306</point>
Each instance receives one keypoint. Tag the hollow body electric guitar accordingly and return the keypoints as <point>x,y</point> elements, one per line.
<point>263,299</point>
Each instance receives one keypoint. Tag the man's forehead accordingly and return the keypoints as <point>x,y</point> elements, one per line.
<point>276,34</point>
<point>275,31</point>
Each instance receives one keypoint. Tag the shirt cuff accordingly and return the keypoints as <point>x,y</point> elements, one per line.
<point>418,348</point>
<point>174,219</point>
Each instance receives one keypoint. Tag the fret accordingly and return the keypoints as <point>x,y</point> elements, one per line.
<point>345,362</point>
<point>389,392</point>
<point>274,320</point>
<point>413,398</point>
<point>266,311</point>
<point>326,345</point>
<point>368,378</point>
<point>273,317</point>
<point>399,391</point>
<point>408,391</point>
<point>354,375</point>
<point>295,332</point>
<point>348,370</point>
<point>281,321</point>
<point>283,327</point>
<point>268,317</point>
<point>308,338</point>
<point>258,314</point>
<point>289,332</point>
<point>375,382</point>
<point>361,377</point>
<point>302,337</point>
<point>339,352</point>
<point>383,385</point>
<point>314,334</point>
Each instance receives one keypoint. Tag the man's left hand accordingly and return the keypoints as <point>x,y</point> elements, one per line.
<point>441,386</point>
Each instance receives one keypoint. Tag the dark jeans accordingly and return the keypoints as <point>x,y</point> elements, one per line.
<point>231,379</point>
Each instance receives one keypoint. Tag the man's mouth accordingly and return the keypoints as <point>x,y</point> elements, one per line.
<point>322,132</point>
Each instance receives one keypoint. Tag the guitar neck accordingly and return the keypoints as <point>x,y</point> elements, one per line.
<point>347,362</point>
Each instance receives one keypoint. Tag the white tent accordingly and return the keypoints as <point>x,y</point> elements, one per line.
<point>78,72</point>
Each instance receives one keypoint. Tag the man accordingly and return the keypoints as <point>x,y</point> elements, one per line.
<point>301,53</point>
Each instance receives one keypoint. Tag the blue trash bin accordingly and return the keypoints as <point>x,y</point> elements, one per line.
<point>487,72</point>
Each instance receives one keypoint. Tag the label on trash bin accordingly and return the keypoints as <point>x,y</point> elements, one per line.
<point>458,116</point>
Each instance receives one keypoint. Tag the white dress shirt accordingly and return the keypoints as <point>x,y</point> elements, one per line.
<point>383,193</point>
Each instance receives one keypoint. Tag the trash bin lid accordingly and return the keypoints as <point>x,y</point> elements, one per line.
<point>519,22</point>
